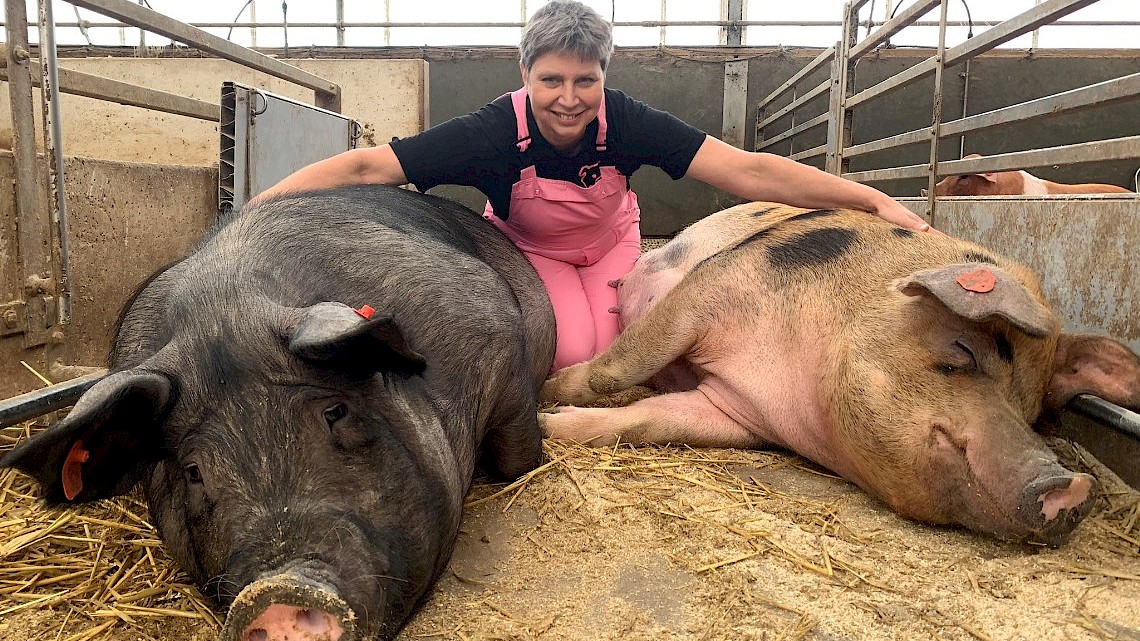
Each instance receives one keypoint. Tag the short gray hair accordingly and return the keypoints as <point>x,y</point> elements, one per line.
<point>566,26</point>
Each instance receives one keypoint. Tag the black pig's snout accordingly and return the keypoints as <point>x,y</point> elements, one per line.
<point>291,605</point>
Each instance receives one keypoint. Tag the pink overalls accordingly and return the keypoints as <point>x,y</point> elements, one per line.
<point>579,239</point>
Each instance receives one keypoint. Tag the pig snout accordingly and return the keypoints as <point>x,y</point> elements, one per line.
<point>1058,500</point>
<point>290,606</point>
<point>281,622</point>
<point>1005,481</point>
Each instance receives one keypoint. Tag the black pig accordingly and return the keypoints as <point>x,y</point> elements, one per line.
<point>304,399</point>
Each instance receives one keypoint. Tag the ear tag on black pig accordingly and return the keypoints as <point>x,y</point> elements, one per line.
<point>73,470</point>
<point>980,281</point>
<point>365,312</point>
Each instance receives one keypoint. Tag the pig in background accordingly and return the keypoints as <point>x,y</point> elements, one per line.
<point>1014,183</point>
<point>913,365</point>
<point>304,457</point>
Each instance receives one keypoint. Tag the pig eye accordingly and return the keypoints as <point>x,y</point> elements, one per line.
<point>335,413</point>
<point>193,474</point>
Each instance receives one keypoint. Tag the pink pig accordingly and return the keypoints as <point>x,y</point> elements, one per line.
<point>913,365</point>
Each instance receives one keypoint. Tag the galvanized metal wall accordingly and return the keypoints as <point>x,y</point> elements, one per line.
<point>1084,249</point>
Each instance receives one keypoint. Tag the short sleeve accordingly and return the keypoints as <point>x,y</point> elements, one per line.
<point>656,137</point>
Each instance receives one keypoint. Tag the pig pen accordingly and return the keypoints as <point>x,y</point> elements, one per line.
<point>632,543</point>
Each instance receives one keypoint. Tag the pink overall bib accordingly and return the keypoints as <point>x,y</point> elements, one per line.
<point>579,239</point>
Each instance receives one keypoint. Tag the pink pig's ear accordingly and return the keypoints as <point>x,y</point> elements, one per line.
<point>1085,364</point>
<point>981,291</point>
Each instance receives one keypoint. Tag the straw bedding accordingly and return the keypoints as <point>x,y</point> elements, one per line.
<point>631,543</point>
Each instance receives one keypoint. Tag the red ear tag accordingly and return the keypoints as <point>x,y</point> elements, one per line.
<point>981,280</point>
<point>365,312</point>
<point>73,470</point>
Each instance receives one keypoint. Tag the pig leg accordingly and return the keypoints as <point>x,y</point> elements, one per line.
<point>686,417</point>
<point>646,347</point>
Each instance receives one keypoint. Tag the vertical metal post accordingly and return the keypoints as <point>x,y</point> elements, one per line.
<point>253,21</point>
<point>661,29</point>
<point>53,153</point>
<point>33,242</point>
<point>936,117</point>
<point>734,113</point>
<point>388,18</point>
<point>340,23</point>
<point>842,87</point>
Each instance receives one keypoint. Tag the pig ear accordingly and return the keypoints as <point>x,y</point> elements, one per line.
<point>336,335</point>
<point>104,445</point>
<point>924,193</point>
<point>978,292</point>
<point>1085,364</point>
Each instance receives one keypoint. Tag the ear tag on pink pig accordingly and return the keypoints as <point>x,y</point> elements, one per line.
<point>73,470</point>
<point>980,280</point>
<point>365,312</point>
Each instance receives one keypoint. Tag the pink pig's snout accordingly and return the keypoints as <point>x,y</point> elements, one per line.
<point>279,622</point>
<point>1058,500</point>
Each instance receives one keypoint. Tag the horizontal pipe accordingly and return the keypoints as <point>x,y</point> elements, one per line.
<point>26,407</point>
<point>1105,413</point>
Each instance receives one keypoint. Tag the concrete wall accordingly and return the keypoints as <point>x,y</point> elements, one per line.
<point>126,220</point>
<point>385,96</point>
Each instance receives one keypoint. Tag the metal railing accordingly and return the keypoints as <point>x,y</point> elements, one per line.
<point>43,306</point>
<point>840,86</point>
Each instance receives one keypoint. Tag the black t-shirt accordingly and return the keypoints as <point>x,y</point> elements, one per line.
<point>478,149</point>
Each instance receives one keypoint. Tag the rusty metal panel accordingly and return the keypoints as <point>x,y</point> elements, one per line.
<point>1084,248</point>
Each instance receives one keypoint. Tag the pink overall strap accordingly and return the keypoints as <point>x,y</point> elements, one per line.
<point>518,101</point>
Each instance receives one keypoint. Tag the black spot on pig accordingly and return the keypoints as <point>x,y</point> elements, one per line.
<point>977,257</point>
<point>902,232</point>
<point>811,215</point>
<point>761,212</point>
<point>814,247</point>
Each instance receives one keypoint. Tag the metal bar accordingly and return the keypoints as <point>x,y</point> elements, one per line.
<point>1106,413</point>
<point>842,86</point>
<point>53,151</point>
<point>26,407</point>
<point>32,241</point>
<point>1102,94</point>
<point>327,92</point>
<point>899,140</point>
<point>815,92</point>
<point>91,86</point>
<point>936,119</point>
<point>812,66</point>
<point>253,24</point>
<point>734,114</point>
<point>809,153</point>
<point>1126,148</point>
<point>893,26</point>
<point>340,23</point>
<point>795,131</point>
<point>985,41</point>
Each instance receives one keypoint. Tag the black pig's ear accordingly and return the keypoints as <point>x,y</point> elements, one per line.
<point>338,336</point>
<point>978,292</point>
<point>104,445</point>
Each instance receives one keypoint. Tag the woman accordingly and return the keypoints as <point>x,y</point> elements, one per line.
<point>554,160</point>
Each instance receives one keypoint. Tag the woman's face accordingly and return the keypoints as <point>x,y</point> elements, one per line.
<point>565,94</point>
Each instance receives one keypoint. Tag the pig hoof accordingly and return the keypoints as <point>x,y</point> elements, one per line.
<point>289,606</point>
<point>604,384</point>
